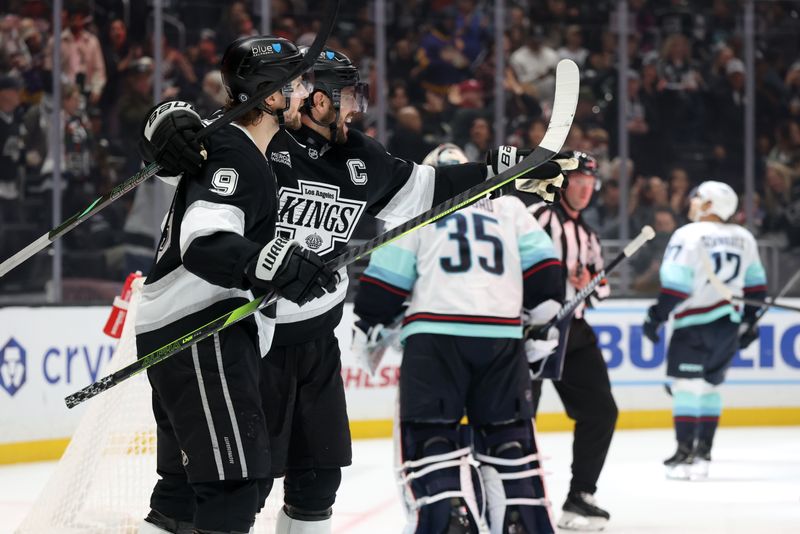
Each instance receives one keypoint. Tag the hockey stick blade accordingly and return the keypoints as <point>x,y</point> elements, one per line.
<point>646,234</point>
<point>566,99</point>
<point>152,169</point>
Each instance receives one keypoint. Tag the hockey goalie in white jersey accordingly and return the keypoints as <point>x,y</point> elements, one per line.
<point>707,329</point>
<point>469,280</point>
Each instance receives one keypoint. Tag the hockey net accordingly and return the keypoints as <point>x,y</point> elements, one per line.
<point>102,483</point>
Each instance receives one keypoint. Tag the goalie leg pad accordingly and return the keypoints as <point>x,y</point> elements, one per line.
<point>440,481</point>
<point>513,478</point>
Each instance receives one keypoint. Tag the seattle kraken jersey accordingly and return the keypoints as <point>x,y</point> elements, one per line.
<point>468,274</point>
<point>323,192</point>
<point>219,220</point>
<point>732,252</point>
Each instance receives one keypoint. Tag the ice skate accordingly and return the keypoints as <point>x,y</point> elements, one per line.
<point>702,461</point>
<point>679,465</point>
<point>582,513</point>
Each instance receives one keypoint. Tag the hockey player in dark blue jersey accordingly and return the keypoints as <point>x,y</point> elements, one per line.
<point>219,247</point>
<point>329,176</point>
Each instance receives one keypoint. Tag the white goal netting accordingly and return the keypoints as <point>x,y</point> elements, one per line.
<point>102,483</point>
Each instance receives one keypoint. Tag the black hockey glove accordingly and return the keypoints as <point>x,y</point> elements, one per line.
<point>748,332</point>
<point>169,138</point>
<point>651,326</point>
<point>296,273</point>
<point>502,158</point>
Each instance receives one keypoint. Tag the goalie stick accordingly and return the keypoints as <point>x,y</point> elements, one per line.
<point>646,234</point>
<point>152,169</point>
<point>727,293</point>
<point>566,99</point>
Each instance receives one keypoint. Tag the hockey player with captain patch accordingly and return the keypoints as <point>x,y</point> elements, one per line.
<point>707,329</point>
<point>467,278</point>
<point>219,247</point>
<point>328,177</point>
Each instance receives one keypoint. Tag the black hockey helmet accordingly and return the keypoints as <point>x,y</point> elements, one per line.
<point>333,72</point>
<point>587,164</point>
<point>250,62</point>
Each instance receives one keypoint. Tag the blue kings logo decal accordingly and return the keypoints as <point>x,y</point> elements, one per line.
<point>314,215</point>
<point>12,366</point>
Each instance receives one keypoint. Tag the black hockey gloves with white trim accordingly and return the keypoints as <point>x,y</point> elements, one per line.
<point>748,332</point>
<point>504,157</point>
<point>651,325</point>
<point>540,345</point>
<point>296,273</point>
<point>169,138</point>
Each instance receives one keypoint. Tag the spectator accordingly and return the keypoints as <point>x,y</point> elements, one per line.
<point>133,105</point>
<point>471,27</point>
<point>573,46</point>
<point>535,64</point>
<point>604,215</point>
<point>398,99</point>
<point>480,140</point>
<point>11,140</point>
<point>81,55</point>
<point>641,124</point>
<point>440,58</point>
<point>34,77</point>
<point>435,113</point>
<point>647,194</point>
<point>213,96</point>
<point>778,201</point>
<point>206,57</point>
<point>535,133</point>
<point>679,186</point>
<point>407,141</point>
<point>468,99</point>
<point>117,55</point>
<point>787,144</point>
<point>792,84</point>
<point>728,125</point>
<point>647,262</point>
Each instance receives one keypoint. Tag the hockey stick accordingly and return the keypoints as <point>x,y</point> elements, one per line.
<point>646,234</point>
<point>566,99</point>
<point>764,309</point>
<point>152,169</point>
<point>727,293</point>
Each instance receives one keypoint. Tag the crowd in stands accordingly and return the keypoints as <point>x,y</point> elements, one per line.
<point>685,123</point>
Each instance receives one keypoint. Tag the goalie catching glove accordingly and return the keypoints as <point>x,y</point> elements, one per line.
<point>504,157</point>
<point>169,138</point>
<point>370,343</point>
<point>295,273</point>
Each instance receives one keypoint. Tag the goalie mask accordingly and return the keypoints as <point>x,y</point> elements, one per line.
<point>722,197</point>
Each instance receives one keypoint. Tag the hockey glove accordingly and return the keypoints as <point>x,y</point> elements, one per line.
<point>295,273</point>
<point>651,326</point>
<point>368,345</point>
<point>748,332</point>
<point>547,178</point>
<point>169,138</point>
<point>539,346</point>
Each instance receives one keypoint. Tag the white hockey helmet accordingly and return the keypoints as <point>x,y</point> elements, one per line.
<point>723,198</point>
<point>444,155</point>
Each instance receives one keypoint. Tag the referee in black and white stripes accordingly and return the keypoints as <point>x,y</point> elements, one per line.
<point>584,386</point>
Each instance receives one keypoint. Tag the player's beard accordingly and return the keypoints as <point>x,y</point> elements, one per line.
<point>292,121</point>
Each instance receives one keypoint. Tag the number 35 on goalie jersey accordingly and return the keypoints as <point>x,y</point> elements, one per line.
<point>733,254</point>
<point>468,274</point>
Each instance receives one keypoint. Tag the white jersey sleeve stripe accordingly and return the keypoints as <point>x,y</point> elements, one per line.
<point>413,198</point>
<point>204,218</point>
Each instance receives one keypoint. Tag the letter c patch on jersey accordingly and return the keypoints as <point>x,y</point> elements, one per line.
<point>357,170</point>
<point>224,182</point>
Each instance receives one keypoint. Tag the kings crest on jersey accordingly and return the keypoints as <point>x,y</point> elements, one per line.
<point>317,215</point>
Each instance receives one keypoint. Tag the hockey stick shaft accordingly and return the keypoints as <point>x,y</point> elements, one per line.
<point>727,293</point>
<point>645,235</point>
<point>152,169</point>
<point>567,86</point>
<point>782,293</point>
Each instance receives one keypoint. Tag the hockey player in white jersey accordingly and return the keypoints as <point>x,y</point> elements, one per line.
<point>470,278</point>
<point>707,329</point>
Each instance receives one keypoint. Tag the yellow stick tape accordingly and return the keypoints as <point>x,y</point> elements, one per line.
<point>51,449</point>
